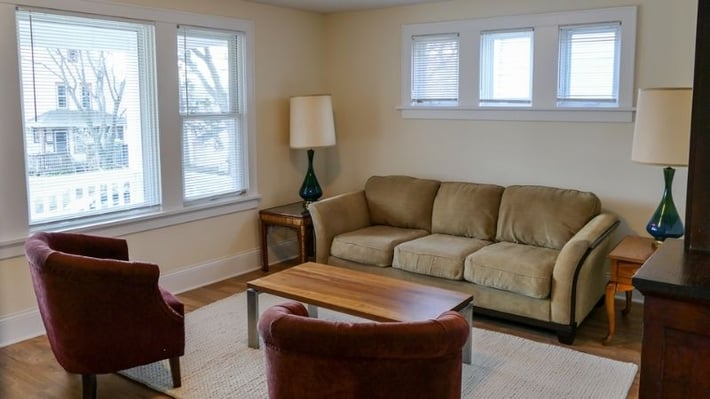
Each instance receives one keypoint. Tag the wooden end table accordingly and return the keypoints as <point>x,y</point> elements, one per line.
<point>293,216</point>
<point>626,258</point>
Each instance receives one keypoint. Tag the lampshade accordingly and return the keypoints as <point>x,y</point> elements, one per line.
<point>662,129</point>
<point>312,122</point>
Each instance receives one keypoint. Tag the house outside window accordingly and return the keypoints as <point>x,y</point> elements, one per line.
<point>85,96</point>
<point>61,95</point>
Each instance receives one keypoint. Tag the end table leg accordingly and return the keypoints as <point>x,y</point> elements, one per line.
<point>264,247</point>
<point>467,313</point>
<point>302,250</point>
<point>609,300</point>
<point>627,308</point>
<point>252,317</point>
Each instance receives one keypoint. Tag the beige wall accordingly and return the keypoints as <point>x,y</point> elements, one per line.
<point>364,48</point>
<point>289,60</point>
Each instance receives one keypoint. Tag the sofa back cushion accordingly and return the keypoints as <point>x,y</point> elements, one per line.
<point>467,210</point>
<point>401,201</point>
<point>544,216</point>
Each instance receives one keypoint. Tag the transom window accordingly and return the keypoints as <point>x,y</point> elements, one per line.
<point>589,65</point>
<point>506,67</point>
<point>435,69</point>
<point>527,67</point>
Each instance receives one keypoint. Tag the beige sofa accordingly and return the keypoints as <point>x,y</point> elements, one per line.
<point>528,253</point>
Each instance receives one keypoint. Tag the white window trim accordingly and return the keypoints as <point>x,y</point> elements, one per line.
<point>545,68</point>
<point>173,210</point>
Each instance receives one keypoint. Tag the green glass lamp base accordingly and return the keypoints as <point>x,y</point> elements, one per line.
<point>310,189</point>
<point>665,222</point>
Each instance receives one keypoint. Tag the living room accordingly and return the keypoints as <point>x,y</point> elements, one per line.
<point>356,57</point>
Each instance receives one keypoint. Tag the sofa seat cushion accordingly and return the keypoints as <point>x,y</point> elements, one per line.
<point>372,245</point>
<point>518,268</point>
<point>438,255</point>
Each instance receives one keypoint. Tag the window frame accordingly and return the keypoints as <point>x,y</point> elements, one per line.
<point>234,114</point>
<point>544,105</point>
<point>172,209</point>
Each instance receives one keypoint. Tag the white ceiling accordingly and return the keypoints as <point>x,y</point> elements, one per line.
<point>330,6</point>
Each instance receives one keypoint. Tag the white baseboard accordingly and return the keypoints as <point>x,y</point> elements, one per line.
<point>27,324</point>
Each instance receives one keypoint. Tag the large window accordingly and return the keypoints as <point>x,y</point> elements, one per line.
<point>124,118</point>
<point>574,66</point>
<point>211,90</point>
<point>81,165</point>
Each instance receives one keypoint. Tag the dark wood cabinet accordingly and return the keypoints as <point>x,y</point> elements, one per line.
<point>675,356</point>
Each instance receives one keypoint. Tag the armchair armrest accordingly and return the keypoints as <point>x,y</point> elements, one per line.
<point>581,260</point>
<point>337,215</point>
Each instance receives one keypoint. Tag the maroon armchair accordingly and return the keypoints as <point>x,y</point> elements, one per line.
<point>102,312</point>
<point>312,358</point>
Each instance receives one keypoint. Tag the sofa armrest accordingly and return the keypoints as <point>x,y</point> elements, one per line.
<point>580,270</point>
<point>337,215</point>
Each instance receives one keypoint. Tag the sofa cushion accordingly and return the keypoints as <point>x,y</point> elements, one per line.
<point>401,201</point>
<point>372,245</point>
<point>544,216</point>
<point>522,269</point>
<point>439,255</point>
<point>467,210</point>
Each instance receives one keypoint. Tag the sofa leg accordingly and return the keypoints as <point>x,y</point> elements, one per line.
<point>566,337</point>
<point>175,371</point>
<point>88,386</point>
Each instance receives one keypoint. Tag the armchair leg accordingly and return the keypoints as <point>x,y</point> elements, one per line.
<point>175,371</point>
<point>88,386</point>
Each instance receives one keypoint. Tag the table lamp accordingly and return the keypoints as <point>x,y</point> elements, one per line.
<point>662,137</point>
<point>311,126</point>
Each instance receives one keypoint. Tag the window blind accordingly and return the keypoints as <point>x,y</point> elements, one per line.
<point>435,69</point>
<point>589,64</point>
<point>506,67</point>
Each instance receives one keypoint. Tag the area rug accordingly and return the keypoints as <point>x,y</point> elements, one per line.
<point>219,365</point>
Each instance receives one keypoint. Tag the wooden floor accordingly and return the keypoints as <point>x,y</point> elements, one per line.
<point>28,369</point>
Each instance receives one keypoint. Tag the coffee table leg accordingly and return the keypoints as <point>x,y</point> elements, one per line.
<point>467,313</point>
<point>252,316</point>
<point>312,311</point>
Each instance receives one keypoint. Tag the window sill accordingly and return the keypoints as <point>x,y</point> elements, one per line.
<point>520,114</point>
<point>140,221</point>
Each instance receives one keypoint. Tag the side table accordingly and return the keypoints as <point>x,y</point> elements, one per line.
<point>293,216</point>
<point>626,258</point>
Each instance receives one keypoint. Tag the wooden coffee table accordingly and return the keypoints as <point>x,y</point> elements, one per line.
<point>359,294</point>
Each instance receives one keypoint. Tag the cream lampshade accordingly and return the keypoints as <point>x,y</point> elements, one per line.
<point>311,126</point>
<point>662,137</point>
